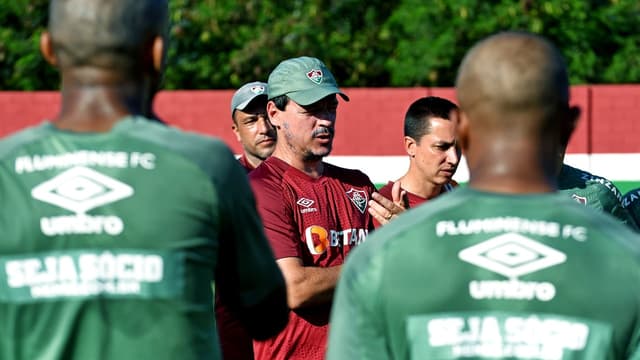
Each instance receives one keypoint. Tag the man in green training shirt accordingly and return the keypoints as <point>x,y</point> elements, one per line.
<point>631,202</point>
<point>593,191</point>
<point>506,267</point>
<point>114,228</point>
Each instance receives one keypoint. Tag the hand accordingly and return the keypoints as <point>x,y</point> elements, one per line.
<point>383,209</point>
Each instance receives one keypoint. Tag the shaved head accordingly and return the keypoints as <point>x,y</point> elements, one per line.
<point>514,119</point>
<point>105,33</point>
<point>511,74</point>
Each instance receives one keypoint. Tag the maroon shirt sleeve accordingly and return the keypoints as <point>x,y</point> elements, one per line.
<point>276,212</point>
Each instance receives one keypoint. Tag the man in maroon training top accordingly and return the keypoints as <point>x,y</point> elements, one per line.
<point>314,213</point>
<point>430,142</point>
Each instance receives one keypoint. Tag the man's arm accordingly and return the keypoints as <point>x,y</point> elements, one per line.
<point>308,285</point>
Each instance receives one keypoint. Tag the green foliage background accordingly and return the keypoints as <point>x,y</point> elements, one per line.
<point>219,44</point>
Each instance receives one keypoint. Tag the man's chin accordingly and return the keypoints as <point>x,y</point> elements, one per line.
<point>317,155</point>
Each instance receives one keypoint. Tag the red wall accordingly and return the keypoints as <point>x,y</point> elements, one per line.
<point>370,124</point>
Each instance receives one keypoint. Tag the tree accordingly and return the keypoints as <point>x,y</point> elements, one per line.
<point>599,39</point>
<point>219,44</point>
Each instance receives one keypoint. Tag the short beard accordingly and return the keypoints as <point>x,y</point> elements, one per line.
<point>311,157</point>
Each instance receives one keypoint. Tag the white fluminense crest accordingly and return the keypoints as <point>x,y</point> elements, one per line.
<point>580,199</point>
<point>258,89</point>
<point>358,198</point>
<point>512,255</point>
<point>315,75</point>
<point>80,189</point>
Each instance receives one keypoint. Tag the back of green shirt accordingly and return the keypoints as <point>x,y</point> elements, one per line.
<point>595,192</point>
<point>484,276</point>
<point>631,203</point>
<point>110,242</point>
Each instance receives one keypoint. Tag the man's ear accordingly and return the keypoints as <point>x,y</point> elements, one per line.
<point>158,53</point>
<point>462,128</point>
<point>46,49</point>
<point>272,112</point>
<point>410,145</point>
<point>573,116</point>
<point>234,127</point>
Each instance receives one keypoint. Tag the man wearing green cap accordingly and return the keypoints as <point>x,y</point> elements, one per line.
<point>251,124</point>
<point>314,213</point>
<point>631,203</point>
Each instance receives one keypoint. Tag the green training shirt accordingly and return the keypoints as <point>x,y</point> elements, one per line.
<point>110,243</point>
<point>595,192</point>
<point>482,276</point>
<point>631,202</point>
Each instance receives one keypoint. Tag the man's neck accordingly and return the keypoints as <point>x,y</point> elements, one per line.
<point>415,184</point>
<point>251,160</point>
<point>94,100</point>
<point>313,168</point>
<point>518,169</point>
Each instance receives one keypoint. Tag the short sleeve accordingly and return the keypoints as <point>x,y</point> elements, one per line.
<point>277,217</point>
<point>612,204</point>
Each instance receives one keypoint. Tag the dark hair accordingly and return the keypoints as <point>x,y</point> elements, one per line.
<point>108,34</point>
<point>280,102</point>
<point>417,119</point>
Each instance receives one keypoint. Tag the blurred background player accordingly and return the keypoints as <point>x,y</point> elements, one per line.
<point>632,205</point>
<point>314,213</point>
<point>593,191</point>
<point>120,225</point>
<point>251,124</point>
<point>430,142</point>
<point>258,138</point>
<point>501,268</point>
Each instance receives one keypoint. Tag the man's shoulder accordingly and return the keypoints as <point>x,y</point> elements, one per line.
<point>353,176</point>
<point>210,153</point>
<point>173,138</point>
<point>268,176</point>
<point>632,199</point>
<point>20,138</point>
<point>270,168</point>
<point>585,187</point>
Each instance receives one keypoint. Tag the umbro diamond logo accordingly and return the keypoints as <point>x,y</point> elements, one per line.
<point>305,202</point>
<point>512,255</point>
<point>81,189</point>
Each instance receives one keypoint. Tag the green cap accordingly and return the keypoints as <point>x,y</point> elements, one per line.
<point>305,80</point>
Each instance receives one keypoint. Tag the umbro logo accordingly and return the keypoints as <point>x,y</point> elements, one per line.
<point>512,255</point>
<point>305,202</point>
<point>81,189</point>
